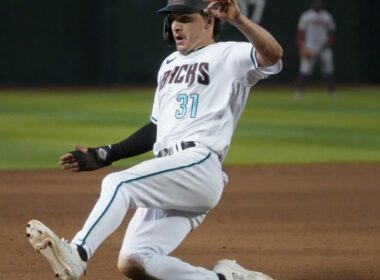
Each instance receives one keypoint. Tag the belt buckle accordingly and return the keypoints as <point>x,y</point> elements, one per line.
<point>178,147</point>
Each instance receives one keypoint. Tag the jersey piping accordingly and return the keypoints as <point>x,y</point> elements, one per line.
<point>135,179</point>
<point>153,119</point>
<point>253,58</point>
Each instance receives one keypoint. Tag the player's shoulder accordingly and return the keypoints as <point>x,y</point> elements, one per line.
<point>229,45</point>
<point>326,13</point>
<point>308,13</point>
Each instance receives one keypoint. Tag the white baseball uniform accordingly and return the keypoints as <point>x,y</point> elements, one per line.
<point>200,97</point>
<point>317,25</point>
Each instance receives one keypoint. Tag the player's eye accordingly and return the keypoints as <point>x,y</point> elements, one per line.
<point>183,19</point>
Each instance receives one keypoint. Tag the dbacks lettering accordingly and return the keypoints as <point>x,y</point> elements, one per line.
<point>187,73</point>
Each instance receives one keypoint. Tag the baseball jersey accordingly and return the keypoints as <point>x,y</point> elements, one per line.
<point>200,96</point>
<point>316,26</point>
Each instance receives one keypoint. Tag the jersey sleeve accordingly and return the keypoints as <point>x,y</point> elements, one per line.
<point>267,70</point>
<point>331,23</point>
<point>302,22</point>
<point>242,63</point>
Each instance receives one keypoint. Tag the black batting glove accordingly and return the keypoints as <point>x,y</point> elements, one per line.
<point>95,158</point>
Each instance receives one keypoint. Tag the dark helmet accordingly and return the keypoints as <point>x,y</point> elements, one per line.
<point>191,6</point>
<point>187,6</point>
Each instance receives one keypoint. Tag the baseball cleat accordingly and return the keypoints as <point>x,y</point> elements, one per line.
<point>62,256</point>
<point>232,271</point>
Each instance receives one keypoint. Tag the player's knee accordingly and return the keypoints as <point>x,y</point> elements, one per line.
<point>132,267</point>
<point>111,182</point>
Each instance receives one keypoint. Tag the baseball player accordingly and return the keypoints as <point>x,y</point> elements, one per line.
<point>202,89</point>
<point>314,40</point>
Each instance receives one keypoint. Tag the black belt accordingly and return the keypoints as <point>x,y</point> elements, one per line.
<point>169,151</point>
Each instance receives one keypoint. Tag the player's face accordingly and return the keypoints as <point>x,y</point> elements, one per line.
<point>191,30</point>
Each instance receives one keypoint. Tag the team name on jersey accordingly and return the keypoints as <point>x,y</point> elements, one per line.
<point>186,74</point>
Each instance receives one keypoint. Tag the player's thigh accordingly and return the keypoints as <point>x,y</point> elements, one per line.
<point>157,232</point>
<point>307,65</point>
<point>191,180</point>
<point>327,65</point>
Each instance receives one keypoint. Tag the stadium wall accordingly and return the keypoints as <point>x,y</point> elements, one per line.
<point>119,42</point>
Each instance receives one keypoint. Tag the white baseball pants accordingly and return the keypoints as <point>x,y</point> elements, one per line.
<point>326,62</point>
<point>172,195</point>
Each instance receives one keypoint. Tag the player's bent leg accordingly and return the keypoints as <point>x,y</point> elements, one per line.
<point>188,181</point>
<point>105,217</point>
<point>158,267</point>
<point>151,236</point>
<point>133,268</point>
<point>191,180</point>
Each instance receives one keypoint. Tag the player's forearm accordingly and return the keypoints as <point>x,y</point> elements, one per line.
<point>138,143</point>
<point>268,50</point>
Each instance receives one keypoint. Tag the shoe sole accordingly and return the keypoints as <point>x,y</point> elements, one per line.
<point>43,242</point>
<point>234,266</point>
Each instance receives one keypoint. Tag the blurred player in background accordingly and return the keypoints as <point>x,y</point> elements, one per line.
<point>314,40</point>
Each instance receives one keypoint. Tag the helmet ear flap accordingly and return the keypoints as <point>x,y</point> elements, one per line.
<point>167,32</point>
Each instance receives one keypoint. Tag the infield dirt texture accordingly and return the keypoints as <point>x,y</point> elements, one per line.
<point>295,222</point>
<point>295,214</point>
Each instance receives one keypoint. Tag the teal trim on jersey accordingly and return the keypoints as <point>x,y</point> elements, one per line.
<point>135,179</point>
<point>254,59</point>
<point>153,119</point>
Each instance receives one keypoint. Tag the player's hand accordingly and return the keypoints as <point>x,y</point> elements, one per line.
<point>306,53</point>
<point>69,162</point>
<point>85,159</point>
<point>227,10</point>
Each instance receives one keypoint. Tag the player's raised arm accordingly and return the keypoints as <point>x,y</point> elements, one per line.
<point>268,50</point>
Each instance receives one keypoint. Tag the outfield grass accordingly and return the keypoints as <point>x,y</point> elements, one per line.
<point>36,127</point>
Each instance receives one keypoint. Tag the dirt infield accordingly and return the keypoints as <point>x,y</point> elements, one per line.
<point>315,222</point>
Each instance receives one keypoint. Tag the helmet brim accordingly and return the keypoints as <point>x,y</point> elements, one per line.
<point>179,8</point>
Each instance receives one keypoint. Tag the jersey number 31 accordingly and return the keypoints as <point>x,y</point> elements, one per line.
<point>185,106</point>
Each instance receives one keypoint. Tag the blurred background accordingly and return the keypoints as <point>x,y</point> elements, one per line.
<point>119,42</point>
<point>77,71</point>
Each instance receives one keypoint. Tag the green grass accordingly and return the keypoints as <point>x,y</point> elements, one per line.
<point>36,127</point>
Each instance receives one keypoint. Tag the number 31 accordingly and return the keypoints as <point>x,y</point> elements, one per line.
<point>184,105</point>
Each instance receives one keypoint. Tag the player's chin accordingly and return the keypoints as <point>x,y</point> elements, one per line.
<point>182,49</point>
<point>181,45</point>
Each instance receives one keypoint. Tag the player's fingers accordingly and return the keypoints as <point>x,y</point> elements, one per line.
<point>66,158</point>
<point>73,167</point>
<point>210,7</point>
<point>209,12</point>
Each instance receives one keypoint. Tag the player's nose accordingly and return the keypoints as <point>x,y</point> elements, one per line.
<point>176,26</point>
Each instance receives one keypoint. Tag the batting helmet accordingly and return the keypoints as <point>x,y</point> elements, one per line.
<point>191,6</point>
<point>187,6</point>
